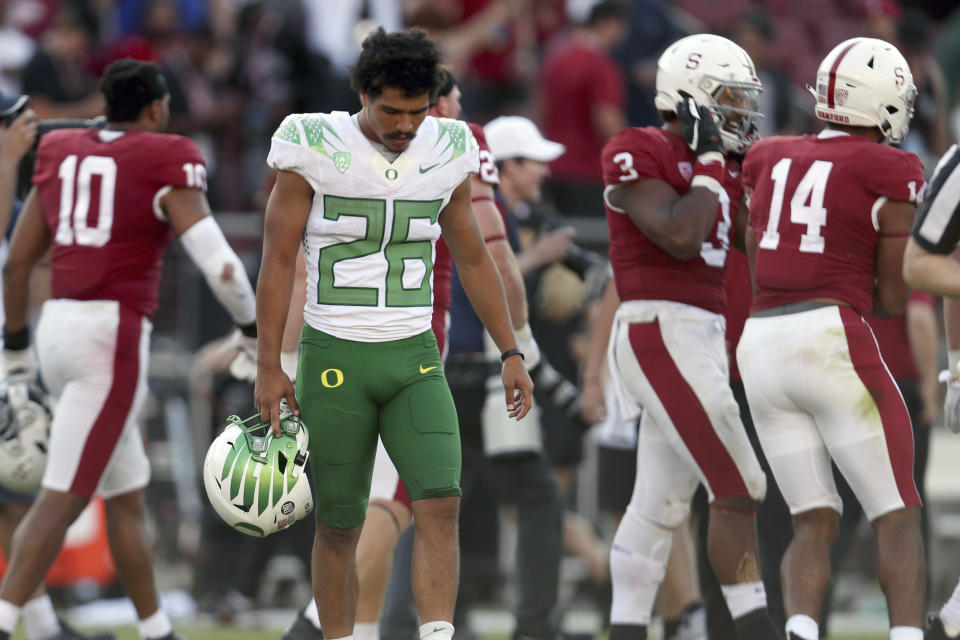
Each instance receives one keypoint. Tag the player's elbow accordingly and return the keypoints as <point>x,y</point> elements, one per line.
<point>682,244</point>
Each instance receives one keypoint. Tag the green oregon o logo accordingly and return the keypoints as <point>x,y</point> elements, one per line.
<point>337,376</point>
<point>391,173</point>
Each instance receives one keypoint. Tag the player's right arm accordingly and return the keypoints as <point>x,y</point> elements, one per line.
<point>286,218</point>
<point>677,224</point>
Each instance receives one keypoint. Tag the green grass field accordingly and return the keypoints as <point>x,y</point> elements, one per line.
<point>230,633</point>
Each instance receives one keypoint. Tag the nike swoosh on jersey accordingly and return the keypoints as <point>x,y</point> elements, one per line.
<point>427,369</point>
<point>422,170</point>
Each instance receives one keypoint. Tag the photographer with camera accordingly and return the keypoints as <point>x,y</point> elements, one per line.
<point>555,271</point>
<point>18,137</point>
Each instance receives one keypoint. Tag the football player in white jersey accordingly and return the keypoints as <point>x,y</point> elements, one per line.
<point>368,195</point>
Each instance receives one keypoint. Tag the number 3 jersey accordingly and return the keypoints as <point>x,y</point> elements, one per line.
<point>814,212</point>
<point>641,269</point>
<point>100,192</point>
<point>370,238</point>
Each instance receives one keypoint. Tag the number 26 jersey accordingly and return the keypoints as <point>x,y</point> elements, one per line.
<point>814,212</point>
<point>370,238</point>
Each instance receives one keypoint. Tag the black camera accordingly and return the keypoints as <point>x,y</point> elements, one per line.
<point>15,108</point>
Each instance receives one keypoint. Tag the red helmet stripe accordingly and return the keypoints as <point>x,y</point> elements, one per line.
<point>833,73</point>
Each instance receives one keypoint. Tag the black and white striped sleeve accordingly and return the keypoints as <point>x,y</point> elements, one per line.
<point>938,227</point>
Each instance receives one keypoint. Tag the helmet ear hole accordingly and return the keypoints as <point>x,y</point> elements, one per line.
<point>891,109</point>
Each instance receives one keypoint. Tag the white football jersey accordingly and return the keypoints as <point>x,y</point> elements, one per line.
<point>371,235</point>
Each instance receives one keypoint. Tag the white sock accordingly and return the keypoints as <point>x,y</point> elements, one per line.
<point>39,619</point>
<point>343,638</point>
<point>744,597</point>
<point>156,626</point>
<point>366,631</point>
<point>311,613</point>
<point>436,630</point>
<point>906,633</point>
<point>9,614</point>
<point>803,626</point>
<point>950,613</point>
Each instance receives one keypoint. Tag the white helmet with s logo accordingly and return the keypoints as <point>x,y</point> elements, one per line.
<point>866,82</point>
<point>719,75</point>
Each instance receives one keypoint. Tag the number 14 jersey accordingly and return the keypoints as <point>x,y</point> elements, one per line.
<point>370,236</point>
<point>814,212</point>
<point>100,192</point>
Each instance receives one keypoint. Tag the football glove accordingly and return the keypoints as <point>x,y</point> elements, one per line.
<point>244,364</point>
<point>951,404</point>
<point>20,366</point>
<point>699,129</point>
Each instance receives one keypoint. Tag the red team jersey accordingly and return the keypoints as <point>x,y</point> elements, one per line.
<point>813,208</point>
<point>100,195</point>
<point>443,262</point>
<point>641,269</point>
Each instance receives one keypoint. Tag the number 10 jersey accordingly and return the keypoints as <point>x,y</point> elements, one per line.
<point>370,238</point>
<point>101,192</point>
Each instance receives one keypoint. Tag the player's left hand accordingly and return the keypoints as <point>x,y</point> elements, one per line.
<point>517,387</point>
<point>244,364</point>
<point>272,386</point>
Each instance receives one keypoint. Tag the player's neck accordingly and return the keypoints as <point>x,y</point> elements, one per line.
<point>133,125</point>
<point>870,133</point>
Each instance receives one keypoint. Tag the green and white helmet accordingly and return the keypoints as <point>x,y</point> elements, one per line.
<point>256,481</point>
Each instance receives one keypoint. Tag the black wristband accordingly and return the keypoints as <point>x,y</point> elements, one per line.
<point>511,352</point>
<point>249,330</point>
<point>16,340</point>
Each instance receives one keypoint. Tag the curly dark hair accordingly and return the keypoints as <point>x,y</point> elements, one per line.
<point>405,60</point>
<point>130,85</point>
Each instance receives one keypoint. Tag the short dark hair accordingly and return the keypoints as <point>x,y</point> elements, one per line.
<point>406,60</point>
<point>130,85</point>
<point>607,9</point>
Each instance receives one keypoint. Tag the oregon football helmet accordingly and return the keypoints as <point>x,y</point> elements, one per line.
<point>254,480</point>
<point>24,431</point>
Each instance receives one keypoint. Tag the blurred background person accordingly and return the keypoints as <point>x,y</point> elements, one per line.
<point>582,104</point>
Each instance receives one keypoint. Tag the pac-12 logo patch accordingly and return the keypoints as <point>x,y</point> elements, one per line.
<point>341,160</point>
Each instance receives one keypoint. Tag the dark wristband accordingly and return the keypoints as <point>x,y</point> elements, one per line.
<point>249,330</point>
<point>16,340</point>
<point>511,352</point>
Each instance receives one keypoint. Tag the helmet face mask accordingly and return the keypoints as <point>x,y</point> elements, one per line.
<point>866,82</point>
<point>24,432</point>
<point>255,481</point>
<point>719,75</point>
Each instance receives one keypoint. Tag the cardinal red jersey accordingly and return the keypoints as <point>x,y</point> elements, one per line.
<point>443,263</point>
<point>100,192</point>
<point>814,211</point>
<point>641,269</point>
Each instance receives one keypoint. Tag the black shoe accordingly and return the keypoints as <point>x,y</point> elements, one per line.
<point>302,629</point>
<point>935,630</point>
<point>69,633</point>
